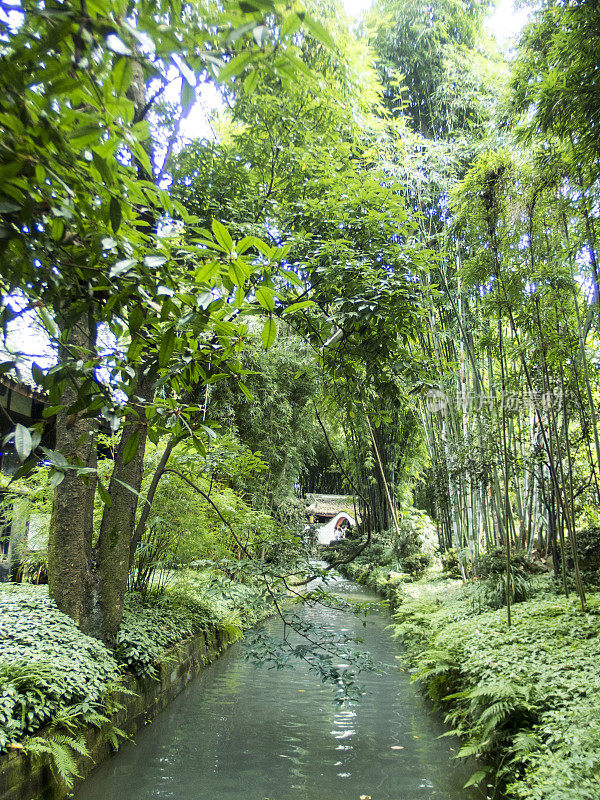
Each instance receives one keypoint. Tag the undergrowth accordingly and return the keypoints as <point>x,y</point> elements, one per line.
<point>526,699</point>
<point>55,681</point>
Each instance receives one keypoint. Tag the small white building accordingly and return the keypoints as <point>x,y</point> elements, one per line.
<point>333,513</point>
<point>335,529</point>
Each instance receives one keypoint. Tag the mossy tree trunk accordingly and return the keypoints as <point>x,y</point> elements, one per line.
<point>112,551</point>
<point>70,573</point>
<point>88,578</point>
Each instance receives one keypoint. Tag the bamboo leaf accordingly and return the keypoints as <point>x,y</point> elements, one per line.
<point>115,214</point>
<point>167,346</point>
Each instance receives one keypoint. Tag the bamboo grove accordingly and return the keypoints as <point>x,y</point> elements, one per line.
<point>499,383</point>
<point>417,208</point>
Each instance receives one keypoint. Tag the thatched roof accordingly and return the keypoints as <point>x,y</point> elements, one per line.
<point>328,505</point>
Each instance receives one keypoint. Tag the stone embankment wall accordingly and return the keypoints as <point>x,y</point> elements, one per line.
<point>25,778</point>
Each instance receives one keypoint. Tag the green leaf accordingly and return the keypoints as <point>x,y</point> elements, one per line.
<point>104,494</point>
<point>154,261</point>
<point>49,323</point>
<point>6,366</point>
<point>476,778</point>
<point>115,214</point>
<point>128,487</point>
<point>291,24</point>
<point>37,374</point>
<point>265,298</point>
<point>122,74</point>
<point>291,276</point>
<point>142,156</point>
<point>119,267</point>
<point>57,478</point>
<point>23,441</point>
<point>269,333</point>
<point>207,271</point>
<point>56,458</point>
<point>261,35</point>
<point>102,166</point>
<point>246,391</point>
<point>188,97</point>
<point>299,65</point>
<point>235,66</point>
<point>222,235</point>
<point>85,136</point>
<point>6,207</point>
<point>36,438</point>
<point>253,241</point>
<point>210,432</point>
<point>118,46</point>
<point>57,228</point>
<point>318,30</point>
<point>298,306</point>
<point>131,446</point>
<point>136,319</point>
<point>51,411</point>
<point>167,346</point>
<point>237,274</point>
<point>251,81</point>
<point>237,33</point>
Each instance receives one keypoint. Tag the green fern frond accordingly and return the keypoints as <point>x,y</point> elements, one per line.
<point>60,749</point>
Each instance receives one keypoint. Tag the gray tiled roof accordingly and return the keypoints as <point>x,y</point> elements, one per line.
<point>328,504</point>
<point>20,374</point>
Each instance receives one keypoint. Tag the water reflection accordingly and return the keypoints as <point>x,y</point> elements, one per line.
<point>257,734</point>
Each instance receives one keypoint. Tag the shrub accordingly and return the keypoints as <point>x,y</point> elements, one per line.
<point>46,663</point>
<point>450,563</point>
<point>416,564</point>
<point>492,590</point>
<point>527,696</point>
<point>493,562</point>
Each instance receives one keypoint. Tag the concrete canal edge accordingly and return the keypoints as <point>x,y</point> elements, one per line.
<point>23,777</point>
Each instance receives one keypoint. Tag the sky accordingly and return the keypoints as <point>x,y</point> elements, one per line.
<point>504,23</point>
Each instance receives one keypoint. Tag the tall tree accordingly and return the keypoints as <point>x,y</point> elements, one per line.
<point>81,218</point>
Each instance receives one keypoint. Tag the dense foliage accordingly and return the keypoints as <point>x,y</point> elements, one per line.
<point>49,667</point>
<point>378,275</point>
<point>526,696</point>
<point>46,663</point>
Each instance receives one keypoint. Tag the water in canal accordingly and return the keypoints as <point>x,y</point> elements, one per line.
<point>242,733</point>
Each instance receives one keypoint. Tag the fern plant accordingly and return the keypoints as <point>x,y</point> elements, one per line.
<point>438,673</point>
<point>494,719</point>
<point>63,739</point>
<point>60,749</point>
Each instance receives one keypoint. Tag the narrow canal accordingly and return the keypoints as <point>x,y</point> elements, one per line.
<point>259,734</point>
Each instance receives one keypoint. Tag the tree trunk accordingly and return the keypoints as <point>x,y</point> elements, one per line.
<point>112,552</point>
<point>71,525</point>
